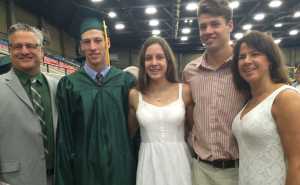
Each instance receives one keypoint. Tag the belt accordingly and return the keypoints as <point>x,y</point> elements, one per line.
<point>223,164</point>
<point>50,172</point>
<point>220,163</point>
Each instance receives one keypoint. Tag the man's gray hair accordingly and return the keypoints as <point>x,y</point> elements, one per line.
<point>27,28</point>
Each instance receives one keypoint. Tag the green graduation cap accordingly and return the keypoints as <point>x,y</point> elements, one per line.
<point>90,23</point>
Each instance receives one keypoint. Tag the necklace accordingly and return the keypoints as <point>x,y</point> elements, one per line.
<point>160,95</point>
<point>157,99</point>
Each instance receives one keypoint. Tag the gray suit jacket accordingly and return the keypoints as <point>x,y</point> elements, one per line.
<point>22,159</point>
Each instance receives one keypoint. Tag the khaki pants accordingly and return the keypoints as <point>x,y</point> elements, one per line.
<point>205,174</point>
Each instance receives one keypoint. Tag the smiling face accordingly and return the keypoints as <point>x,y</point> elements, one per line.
<point>26,51</point>
<point>155,62</point>
<point>214,31</point>
<point>253,65</point>
<point>93,46</point>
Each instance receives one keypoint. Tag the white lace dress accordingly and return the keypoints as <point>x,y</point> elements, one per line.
<point>262,161</point>
<point>164,157</point>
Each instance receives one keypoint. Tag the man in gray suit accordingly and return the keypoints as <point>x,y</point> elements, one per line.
<point>28,114</point>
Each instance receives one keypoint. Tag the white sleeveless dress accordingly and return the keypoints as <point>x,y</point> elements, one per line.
<point>262,161</point>
<point>164,158</point>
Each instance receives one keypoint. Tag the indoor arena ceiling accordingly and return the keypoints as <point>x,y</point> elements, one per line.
<point>172,16</point>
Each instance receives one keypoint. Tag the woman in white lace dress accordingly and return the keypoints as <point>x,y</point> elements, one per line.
<point>268,128</point>
<point>159,107</point>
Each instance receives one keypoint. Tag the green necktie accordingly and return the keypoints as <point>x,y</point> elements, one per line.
<point>39,109</point>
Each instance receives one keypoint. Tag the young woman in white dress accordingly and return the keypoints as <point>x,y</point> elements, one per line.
<point>268,128</point>
<point>160,106</point>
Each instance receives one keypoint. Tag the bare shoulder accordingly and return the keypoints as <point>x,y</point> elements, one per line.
<point>186,89</point>
<point>133,92</point>
<point>286,101</point>
<point>287,97</point>
<point>186,94</point>
<point>133,97</point>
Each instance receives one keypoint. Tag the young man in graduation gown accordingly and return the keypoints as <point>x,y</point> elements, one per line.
<point>93,146</point>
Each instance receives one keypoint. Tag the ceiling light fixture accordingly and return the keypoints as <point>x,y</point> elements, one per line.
<point>153,22</point>
<point>186,30</point>
<point>238,35</point>
<point>184,38</point>
<point>259,16</point>
<point>155,32</point>
<point>247,27</point>
<point>96,1</point>
<point>119,26</point>
<point>112,14</point>
<point>191,6</point>
<point>275,3</point>
<point>277,41</point>
<point>150,10</point>
<point>278,25</point>
<point>296,14</point>
<point>234,4</point>
<point>294,32</point>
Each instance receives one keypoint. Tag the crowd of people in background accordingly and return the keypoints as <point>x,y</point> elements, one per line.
<point>297,78</point>
<point>231,119</point>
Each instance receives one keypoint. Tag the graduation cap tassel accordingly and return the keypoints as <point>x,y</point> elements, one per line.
<point>107,58</point>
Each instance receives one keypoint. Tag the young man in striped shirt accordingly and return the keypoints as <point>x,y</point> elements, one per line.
<point>216,99</point>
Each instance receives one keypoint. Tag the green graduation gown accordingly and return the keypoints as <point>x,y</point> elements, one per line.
<point>5,64</point>
<point>93,145</point>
